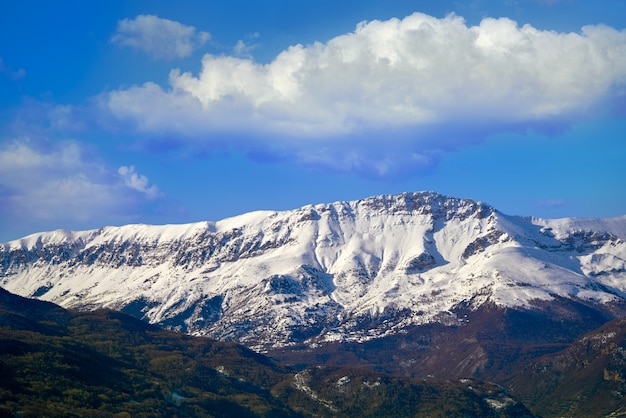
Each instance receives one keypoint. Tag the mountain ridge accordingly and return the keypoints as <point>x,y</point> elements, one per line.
<point>344,271</point>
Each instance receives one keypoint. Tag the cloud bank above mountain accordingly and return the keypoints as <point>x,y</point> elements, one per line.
<point>387,98</point>
<point>46,181</point>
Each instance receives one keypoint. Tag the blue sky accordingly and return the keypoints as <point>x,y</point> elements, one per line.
<point>158,112</point>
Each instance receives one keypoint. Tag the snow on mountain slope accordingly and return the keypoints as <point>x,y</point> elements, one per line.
<point>340,271</point>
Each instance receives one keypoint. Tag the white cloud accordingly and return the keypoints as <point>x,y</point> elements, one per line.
<point>160,38</point>
<point>241,49</point>
<point>138,182</point>
<point>44,181</point>
<point>389,96</point>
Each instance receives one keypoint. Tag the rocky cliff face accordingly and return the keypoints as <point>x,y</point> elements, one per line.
<point>332,272</point>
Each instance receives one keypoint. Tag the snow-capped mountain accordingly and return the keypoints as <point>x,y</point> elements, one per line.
<point>342,271</point>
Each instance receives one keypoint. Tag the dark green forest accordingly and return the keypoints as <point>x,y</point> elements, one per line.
<point>60,363</point>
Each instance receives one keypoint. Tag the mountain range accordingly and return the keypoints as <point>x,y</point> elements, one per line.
<point>346,271</point>
<point>415,285</point>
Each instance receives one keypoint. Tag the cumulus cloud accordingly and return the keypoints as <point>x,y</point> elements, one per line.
<point>44,181</point>
<point>391,95</point>
<point>160,38</point>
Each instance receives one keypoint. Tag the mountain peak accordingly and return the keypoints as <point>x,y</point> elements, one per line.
<point>425,202</point>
